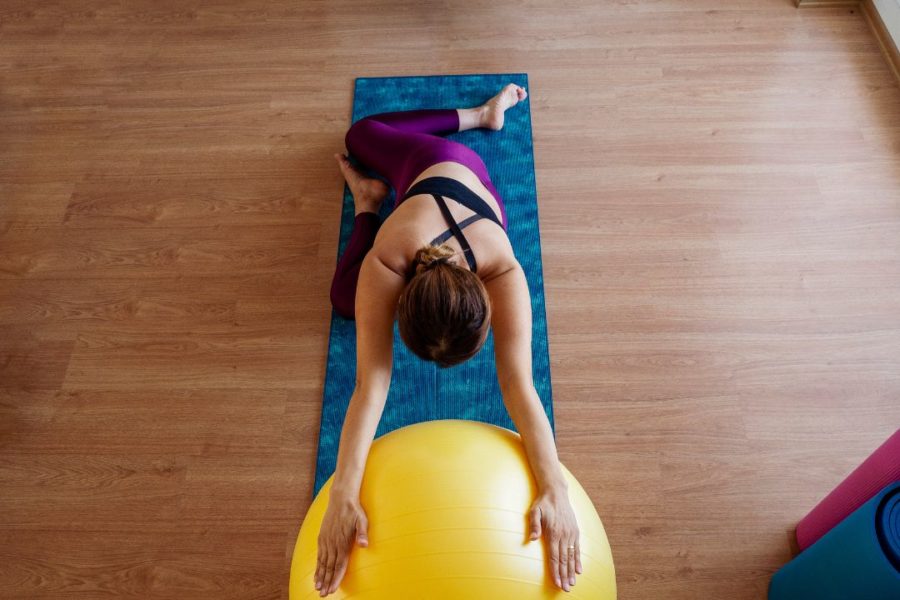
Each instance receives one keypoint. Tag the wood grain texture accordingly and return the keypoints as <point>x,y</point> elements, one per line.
<point>719,189</point>
<point>826,3</point>
<point>873,17</point>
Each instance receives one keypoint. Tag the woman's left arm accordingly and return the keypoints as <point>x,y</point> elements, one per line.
<point>551,512</point>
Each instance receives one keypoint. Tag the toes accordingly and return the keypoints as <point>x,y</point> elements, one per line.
<point>343,163</point>
<point>515,93</point>
<point>350,174</point>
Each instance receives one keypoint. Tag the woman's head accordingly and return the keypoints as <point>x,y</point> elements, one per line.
<point>444,312</point>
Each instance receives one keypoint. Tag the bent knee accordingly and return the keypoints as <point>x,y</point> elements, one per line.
<point>358,132</point>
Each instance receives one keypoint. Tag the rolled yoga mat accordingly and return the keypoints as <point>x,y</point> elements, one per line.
<point>877,471</point>
<point>859,559</point>
<point>419,390</point>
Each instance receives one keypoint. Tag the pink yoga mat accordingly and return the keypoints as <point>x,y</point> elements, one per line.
<point>876,472</point>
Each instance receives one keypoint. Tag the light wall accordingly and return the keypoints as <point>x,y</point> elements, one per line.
<point>890,14</point>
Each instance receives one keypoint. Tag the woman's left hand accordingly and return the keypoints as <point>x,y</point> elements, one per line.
<point>551,514</point>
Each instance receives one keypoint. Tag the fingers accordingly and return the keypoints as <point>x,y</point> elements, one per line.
<point>563,564</point>
<point>321,560</point>
<point>560,528</point>
<point>535,522</point>
<point>340,568</point>
<point>554,562</point>
<point>578,568</point>
<point>328,576</point>
<point>330,570</point>
<point>318,566</point>
<point>565,561</point>
<point>570,568</point>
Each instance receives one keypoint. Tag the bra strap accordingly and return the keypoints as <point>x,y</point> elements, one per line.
<point>457,191</point>
<point>457,232</point>
<point>449,233</point>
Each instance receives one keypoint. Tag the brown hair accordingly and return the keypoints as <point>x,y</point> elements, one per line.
<point>444,312</point>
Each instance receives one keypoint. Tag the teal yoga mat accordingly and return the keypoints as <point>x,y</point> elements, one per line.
<point>859,559</point>
<point>419,390</point>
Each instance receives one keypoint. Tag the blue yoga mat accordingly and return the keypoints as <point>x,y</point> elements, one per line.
<point>421,391</point>
<point>858,559</point>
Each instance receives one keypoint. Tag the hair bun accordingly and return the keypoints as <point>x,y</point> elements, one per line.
<point>429,257</point>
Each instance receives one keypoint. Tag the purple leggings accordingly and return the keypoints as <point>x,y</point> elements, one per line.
<point>398,146</point>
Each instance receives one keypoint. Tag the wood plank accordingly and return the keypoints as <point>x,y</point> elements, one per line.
<point>719,220</point>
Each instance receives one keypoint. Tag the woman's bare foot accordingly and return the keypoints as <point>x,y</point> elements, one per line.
<point>367,193</point>
<point>493,109</point>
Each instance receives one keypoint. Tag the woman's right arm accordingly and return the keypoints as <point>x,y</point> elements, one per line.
<point>377,293</point>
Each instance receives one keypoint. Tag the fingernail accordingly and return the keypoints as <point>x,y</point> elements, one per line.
<point>571,581</point>
<point>318,584</point>
<point>557,582</point>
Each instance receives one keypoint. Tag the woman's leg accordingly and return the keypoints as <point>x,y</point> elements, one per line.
<point>346,276</point>
<point>391,143</point>
<point>367,197</point>
<point>400,145</point>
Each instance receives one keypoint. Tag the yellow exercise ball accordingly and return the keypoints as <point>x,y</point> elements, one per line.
<point>447,504</point>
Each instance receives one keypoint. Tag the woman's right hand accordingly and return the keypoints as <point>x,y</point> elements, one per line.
<point>344,522</point>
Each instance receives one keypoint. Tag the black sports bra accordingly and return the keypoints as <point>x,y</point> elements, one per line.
<point>439,187</point>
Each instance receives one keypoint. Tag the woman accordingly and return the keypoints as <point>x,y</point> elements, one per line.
<point>446,289</point>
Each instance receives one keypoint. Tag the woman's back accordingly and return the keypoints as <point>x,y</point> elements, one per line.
<point>416,221</point>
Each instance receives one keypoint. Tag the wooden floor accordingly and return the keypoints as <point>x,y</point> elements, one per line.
<point>719,188</point>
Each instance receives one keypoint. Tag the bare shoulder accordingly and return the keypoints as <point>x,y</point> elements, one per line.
<point>499,255</point>
<point>396,242</point>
